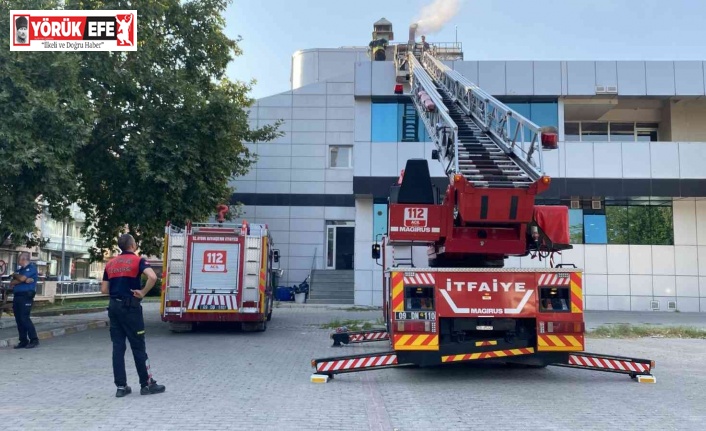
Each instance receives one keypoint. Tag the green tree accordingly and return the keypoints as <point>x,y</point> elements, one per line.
<point>170,127</point>
<point>136,138</point>
<point>44,119</point>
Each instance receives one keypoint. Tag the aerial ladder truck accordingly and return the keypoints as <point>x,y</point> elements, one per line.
<point>447,295</point>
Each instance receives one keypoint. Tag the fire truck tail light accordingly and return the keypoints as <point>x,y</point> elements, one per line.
<point>561,327</point>
<point>415,326</point>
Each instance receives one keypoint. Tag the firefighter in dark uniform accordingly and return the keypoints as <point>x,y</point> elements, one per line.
<point>121,279</point>
<point>24,285</point>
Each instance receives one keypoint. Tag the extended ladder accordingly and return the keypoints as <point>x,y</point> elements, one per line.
<point>475,134</point>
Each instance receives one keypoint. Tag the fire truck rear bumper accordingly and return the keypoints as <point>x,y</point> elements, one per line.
<point>215,316</point>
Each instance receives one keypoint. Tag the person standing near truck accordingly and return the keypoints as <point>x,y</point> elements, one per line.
<point>24,286</point>
<point>121,280</point>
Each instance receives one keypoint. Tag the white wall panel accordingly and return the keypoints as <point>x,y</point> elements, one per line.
<point>519,79</point>
<point>660,78</point>
<point>547,78</point>
<point>631,78</point>
<point>664,160</point>
<point>689,78</point>
<point>581,76</point>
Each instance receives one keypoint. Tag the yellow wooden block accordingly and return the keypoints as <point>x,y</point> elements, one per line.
<point>646,379</point>
<point>319,378</point>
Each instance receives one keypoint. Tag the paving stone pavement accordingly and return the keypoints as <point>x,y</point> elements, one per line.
<point>228,379</point>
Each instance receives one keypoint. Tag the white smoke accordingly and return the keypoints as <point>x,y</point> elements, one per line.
<point>433,17</point>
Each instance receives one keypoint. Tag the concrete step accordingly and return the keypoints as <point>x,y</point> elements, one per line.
<point>333,274</point>
<point>332,287</point>
<point>329,301</point>
<point>333,295</point>
<point>329,279</point>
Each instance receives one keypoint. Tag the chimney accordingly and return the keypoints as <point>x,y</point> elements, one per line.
<point>413,32</point>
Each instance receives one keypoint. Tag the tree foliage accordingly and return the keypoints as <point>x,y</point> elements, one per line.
<point>45,119</point>
<point>169,127</point>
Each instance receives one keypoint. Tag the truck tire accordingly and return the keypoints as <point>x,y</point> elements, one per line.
<point>272,305</point>
<point>178,327</point>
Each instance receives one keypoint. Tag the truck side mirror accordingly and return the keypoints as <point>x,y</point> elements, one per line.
<point>376,251</point>
<point>275,255</point>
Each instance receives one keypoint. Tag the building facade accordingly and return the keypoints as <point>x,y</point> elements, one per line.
<point>60,236</point>
<point>630,167</point>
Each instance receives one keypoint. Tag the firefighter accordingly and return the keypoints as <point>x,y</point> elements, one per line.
<point>24,285</point>
<point>121,279</point>
<point>425,44</point>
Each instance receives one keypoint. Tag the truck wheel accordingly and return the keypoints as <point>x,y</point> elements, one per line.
<point>272,305</point>
<point>181,327</point>
<point>262,327</point>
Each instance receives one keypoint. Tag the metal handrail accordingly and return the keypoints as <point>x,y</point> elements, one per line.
<point>311,270</point>
<point>492,115</point>
<point>436,121</point>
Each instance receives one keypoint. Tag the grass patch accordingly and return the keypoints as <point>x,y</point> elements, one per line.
<point>634,331</point>
<point>80,304</point>
<point>351,324</point>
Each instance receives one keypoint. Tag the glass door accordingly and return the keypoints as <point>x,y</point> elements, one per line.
<point>331,247</point>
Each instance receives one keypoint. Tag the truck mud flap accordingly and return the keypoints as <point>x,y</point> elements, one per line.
<point>342,336</point>
<point>638,369</point>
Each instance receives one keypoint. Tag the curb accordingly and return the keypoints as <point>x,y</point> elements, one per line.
<point>57,332</point>
<point>68,311</point>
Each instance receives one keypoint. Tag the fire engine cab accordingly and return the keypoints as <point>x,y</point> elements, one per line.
<point>218,273</point>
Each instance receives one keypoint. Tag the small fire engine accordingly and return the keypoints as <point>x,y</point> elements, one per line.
<point>218,273</point>
<point>447,295</point>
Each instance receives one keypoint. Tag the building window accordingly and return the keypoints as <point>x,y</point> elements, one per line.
<point>595,229</point>
<point>594,131</point>
<point>384,122</point>
<point>540,113</point>
<point>396,121</point>
<point>637,221</point>
<point>646,222</point>
<point>576,226</point>
<point>340,156</point>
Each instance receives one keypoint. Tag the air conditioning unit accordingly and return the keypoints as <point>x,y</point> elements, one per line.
<point>671,305</point>
<point>611,89</point>
<point>600,89</point>
<point>654,305</point>
<point>575,203</point>
<point>596,204</point>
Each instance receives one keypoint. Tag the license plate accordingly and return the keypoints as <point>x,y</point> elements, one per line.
<point>212,307</point>
<point>484,328</point>
<point>415,315</point>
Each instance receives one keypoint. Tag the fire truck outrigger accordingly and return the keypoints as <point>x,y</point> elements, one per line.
<point>447,297</point>
<point>218,273</point>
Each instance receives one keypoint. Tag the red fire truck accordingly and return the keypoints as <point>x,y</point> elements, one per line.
<point>447,294</point>
<point>218,273</point>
